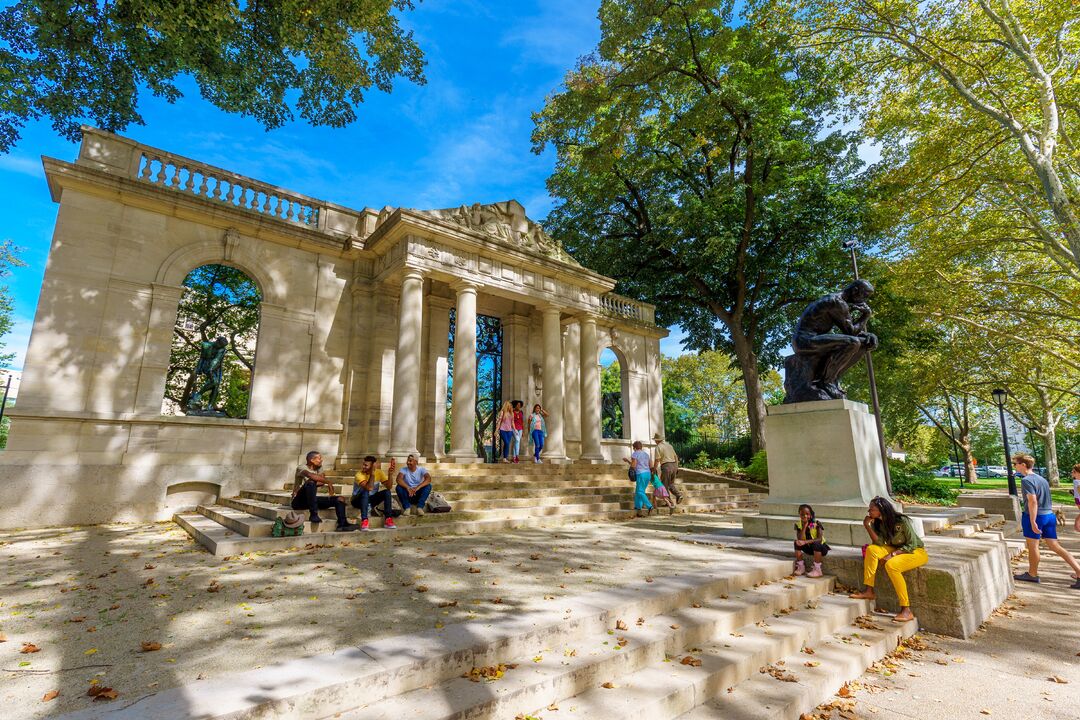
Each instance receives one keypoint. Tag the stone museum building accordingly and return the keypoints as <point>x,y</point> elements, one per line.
<point>365,339</point>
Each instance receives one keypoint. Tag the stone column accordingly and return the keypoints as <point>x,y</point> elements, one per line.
<point>555,445</point>
<point>435,370</point>
<point>463,407</point>
<point>406,413</point>
<point>591,450</point>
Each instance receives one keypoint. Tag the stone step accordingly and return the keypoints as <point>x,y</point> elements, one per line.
<point>261,503</point>
<point>324,685</point>
<point>669,688</point>
<point>221,540</point>
<point>764,697</point>
<point>560,673</point>
<point>528,469</point>
<point>528,489</point>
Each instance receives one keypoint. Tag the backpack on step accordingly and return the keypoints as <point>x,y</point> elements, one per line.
<point>437,504</point>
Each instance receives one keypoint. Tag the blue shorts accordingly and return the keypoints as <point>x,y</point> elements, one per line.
<point>1047,523</point>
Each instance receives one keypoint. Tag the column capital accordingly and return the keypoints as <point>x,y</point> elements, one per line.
<point>411,273</point>
<point>548,309</point>
<point>464,286</point>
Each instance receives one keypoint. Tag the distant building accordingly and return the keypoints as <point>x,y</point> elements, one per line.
<point>16,380</point>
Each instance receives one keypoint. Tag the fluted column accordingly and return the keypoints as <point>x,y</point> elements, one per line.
<point>406,413</point>
<point>555,444</point>
<point>463,409</point>
<point>591,450</point>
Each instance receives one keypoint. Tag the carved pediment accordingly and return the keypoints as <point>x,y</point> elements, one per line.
<point>506,222</point>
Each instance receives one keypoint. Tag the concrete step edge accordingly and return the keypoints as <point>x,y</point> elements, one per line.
<point>313,687</point>
<point>554,675</point>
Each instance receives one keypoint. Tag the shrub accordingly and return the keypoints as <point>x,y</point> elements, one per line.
<point>700,462</point>
<point>916,484</point>
<point>758,469</point>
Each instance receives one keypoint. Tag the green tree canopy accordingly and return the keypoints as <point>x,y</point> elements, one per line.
<point>695,163</point>
<point>78,60</point>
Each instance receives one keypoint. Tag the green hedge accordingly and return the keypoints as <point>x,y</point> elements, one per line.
<point>919,485</point>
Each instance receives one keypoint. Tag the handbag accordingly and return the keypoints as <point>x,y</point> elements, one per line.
<point>437,504</point>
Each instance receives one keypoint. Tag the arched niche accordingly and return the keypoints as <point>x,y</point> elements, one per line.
<point>213,348</point>
<point>614,394</point>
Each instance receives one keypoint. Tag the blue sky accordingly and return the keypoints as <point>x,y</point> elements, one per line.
<point>461,138</point>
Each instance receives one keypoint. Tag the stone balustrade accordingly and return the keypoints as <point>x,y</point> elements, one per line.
<point>194,178</point>
<point>624,307</point>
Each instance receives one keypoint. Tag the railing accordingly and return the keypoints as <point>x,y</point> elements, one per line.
<point>624,307</point>
<point>194,178</point>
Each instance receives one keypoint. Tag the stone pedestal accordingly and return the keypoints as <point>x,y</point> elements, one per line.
<point>826,454</point>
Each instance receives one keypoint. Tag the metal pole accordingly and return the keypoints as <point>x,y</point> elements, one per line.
<point>873,393</point>
<point>1008,453</point>
<point>3,406</point>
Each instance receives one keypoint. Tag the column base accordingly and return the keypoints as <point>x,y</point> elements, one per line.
<point>466,459</point>
<point>591,460</point>
<point>556,459</point>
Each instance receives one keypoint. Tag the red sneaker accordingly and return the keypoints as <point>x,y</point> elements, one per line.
<point>364,524</point>
<point>389,524</point>
<point>515,458</point>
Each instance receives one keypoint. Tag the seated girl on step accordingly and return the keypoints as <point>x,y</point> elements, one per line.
<point>809,540</point>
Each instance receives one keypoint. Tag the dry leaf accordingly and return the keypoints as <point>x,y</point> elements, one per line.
<point>808,650</point>
<point>691,661</point>
<point>984,712</point>
<point>553,707</point>
<point>534,556</point>
<point>421,588</point>
<point>150,646</point>
<point>844,691</point>
<point>1057,679</point>
<point>620,625</point>
<point>608,685</point>
<point>51,695</point>
<point>696,605</point>
<point>29,648</point>
<point>3,638</point>
<point>451,603</point>
<point>102,693</point>
<point>474,570</point>
<point>78,619</point>
<point>674,627</point>
<point>641,621</point>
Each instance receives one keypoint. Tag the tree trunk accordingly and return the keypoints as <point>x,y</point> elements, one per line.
<point>964,441</point>
<point>755,397</point>
<point>1049,436</point>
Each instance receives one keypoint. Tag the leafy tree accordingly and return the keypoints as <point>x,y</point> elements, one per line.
<point>696,164</point>
<point>975,104</point>
<point>611,420</point>
<point>8,259</point>
<point>71,60</point>
<point>709,386</point>
<point>218,300</point>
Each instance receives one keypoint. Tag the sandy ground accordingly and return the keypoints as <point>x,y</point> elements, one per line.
<point>88,598</point>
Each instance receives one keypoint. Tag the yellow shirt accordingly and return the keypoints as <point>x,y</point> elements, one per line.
<point>361,477</point>
<point>665,453</point>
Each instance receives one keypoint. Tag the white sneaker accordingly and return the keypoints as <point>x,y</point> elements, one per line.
<point>419,511</point>
<point>816,571</point>
<point>536,460</point>
<point>413,511</point>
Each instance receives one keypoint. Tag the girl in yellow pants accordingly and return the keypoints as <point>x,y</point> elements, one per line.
<point>893,540</point>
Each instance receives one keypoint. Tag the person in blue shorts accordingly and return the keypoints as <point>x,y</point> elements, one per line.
<point>1038,520</point>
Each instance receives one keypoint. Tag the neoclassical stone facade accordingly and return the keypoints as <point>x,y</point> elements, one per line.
<point>352,348</point>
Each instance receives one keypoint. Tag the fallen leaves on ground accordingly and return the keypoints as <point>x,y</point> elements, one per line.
<point>866,623</point>
<point>620,625</point>
<point>51,695</point>
<point>1057,679</point>
<point>608,686</point>
<point>779,673</point>
<point>691,661</point>
<point>844,691</point>
<point>148,646</point>
<point>29,648</point>
<point>488,673</point>
<point>99,692</point>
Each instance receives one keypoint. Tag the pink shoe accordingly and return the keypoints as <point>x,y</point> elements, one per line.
<point>816,572</point>
<point>798,568</point>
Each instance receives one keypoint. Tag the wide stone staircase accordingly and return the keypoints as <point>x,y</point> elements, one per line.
<point>483,497</point>
<point>743,640</point>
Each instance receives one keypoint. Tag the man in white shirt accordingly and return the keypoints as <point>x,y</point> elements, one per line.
<point>668,462</point>
<point>413,486</point>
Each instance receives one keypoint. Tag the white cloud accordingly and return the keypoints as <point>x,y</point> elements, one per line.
<point>557,36</point>
<point>22,165</point>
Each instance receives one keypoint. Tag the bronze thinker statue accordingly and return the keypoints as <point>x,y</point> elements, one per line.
<point>822,355</point>
<point>211,360</point>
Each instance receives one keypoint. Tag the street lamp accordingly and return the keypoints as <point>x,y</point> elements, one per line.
<point>999,397</point>
<point>851,246</point>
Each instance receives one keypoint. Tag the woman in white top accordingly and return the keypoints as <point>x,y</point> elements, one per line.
<point>641,465</point>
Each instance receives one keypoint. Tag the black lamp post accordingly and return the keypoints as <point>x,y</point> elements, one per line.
<point>999,397</point>
<point>850,246</point>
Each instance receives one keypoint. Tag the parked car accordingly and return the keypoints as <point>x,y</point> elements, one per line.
<point>996,471</point>
<point>981,471</point>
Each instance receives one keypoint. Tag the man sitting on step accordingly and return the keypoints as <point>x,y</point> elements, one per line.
<point>371,486</point>
<point>305,494</point>
<point>413,486</point>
